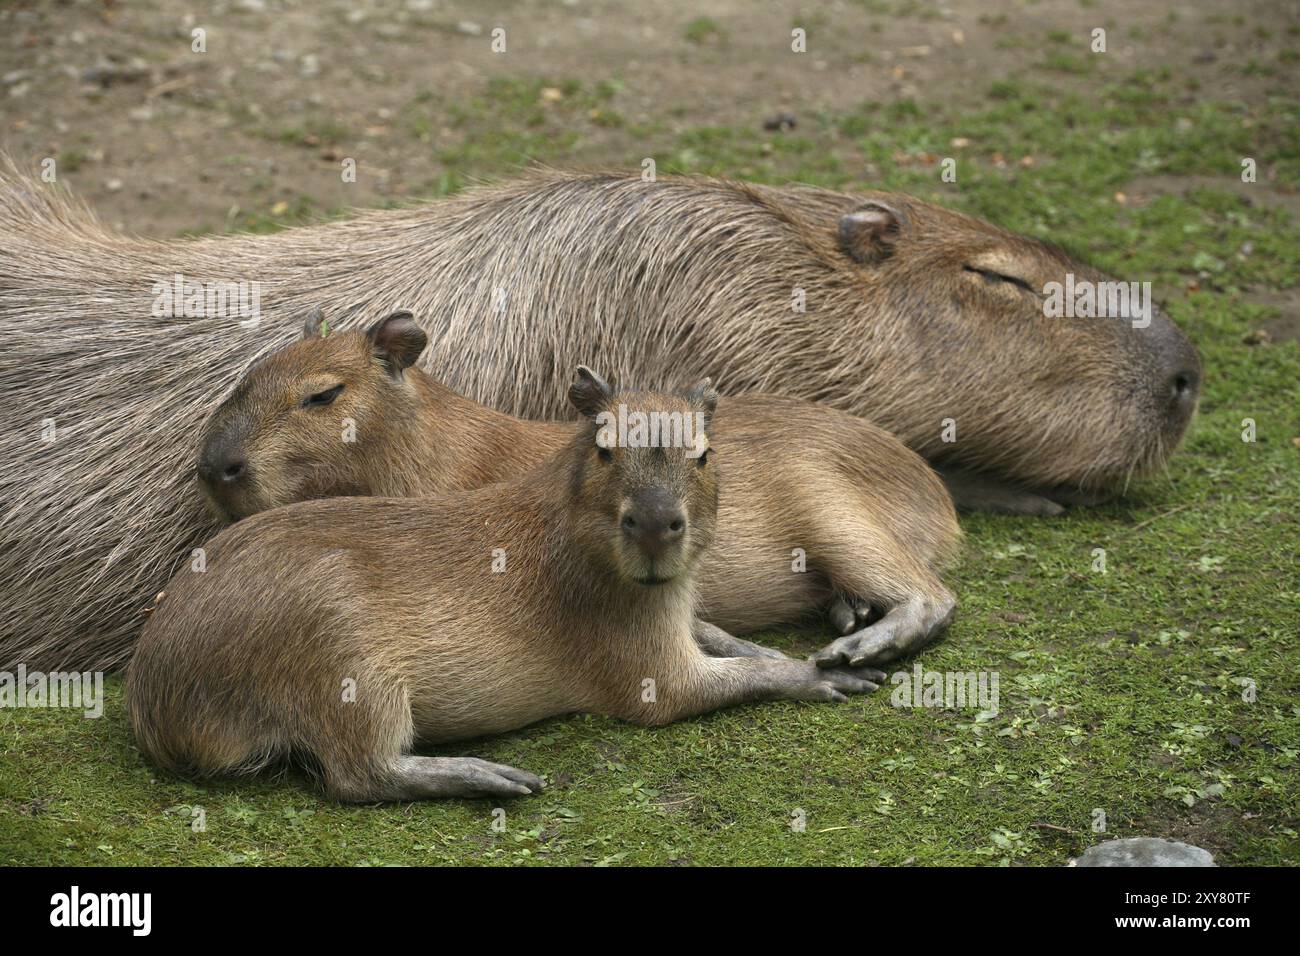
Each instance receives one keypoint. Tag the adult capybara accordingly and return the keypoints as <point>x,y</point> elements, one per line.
<point>822,510</point>
<point>395,622</point>
<point>925,321</point>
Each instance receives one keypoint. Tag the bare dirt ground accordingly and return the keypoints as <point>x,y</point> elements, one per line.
<point>161,139</point>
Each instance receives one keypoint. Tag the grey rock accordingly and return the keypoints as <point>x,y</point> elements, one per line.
<point>1144,851</point>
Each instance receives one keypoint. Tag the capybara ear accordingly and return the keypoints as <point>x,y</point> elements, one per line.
<point>315,326</point>
<point>589,393</point>
<point>705,396</point>
<point>869,233</point>
<point>397,341</point>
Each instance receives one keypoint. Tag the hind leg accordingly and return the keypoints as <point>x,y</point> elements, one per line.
<point>905,628</point>
<point>425,778</point>
<point>867,567</point>
<point>363,749</point>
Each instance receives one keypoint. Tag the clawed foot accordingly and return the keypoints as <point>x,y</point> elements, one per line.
<point>482,778</point>
<point>906,628</point>
<point>834,684</point>
<point>415,777</point>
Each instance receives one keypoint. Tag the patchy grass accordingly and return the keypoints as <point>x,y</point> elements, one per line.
<point>1122,692</point>
<point>315,131</point>
<point>703,30</point>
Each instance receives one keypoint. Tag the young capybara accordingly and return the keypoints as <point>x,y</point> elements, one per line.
<point>345,632</point>
<point>822,508</point>
<point>926,321</point>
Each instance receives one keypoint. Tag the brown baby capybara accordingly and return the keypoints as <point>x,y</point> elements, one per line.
<point>928,322</point>
<point>822,508</point>
<point>346,632</point>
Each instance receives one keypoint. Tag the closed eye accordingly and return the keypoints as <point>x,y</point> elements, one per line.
<point>992,276</point>
<point>322,398</point>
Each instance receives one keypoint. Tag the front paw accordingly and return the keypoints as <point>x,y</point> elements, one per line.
<point>834,684</point>
<point>838,652</point>
<point>861,649</point>
<point>904,629</point>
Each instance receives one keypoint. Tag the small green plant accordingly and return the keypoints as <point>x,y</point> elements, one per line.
<point>703,30</point>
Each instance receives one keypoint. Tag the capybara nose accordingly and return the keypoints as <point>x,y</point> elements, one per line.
<point>216,470</point>
<point>654,522</point>
<point>1179,380</point>
<point>1184,386</point>
<point>1182,383</point>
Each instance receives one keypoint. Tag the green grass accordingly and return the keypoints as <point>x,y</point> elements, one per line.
<point>312,132</point>
<point>704,30</point>
<point>1120,692</point>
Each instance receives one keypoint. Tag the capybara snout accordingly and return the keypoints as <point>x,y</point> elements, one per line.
<point>1178,377</point>
<point>222,462</point>
<point>1159,387</point>
<point>654,520</point>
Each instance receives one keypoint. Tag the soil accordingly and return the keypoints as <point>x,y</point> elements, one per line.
<point>161,139</point>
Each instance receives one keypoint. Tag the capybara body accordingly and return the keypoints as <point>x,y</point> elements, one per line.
<point>820,505</point>
<point>921,319</point>
<point>344,632</point>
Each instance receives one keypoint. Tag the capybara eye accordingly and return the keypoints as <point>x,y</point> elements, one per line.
<point>604,454</point>
<point>703,459</point>
<point>322,398</point>
<point>992,276</point>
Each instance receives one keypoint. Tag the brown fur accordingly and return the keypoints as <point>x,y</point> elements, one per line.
<point>245,664</point>
<point>873,519</point>
<point>660,283</point>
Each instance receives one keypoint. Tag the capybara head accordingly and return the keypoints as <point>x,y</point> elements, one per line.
<point>643,479</point>
<point>304,420</point>
<point>1080,402</point>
